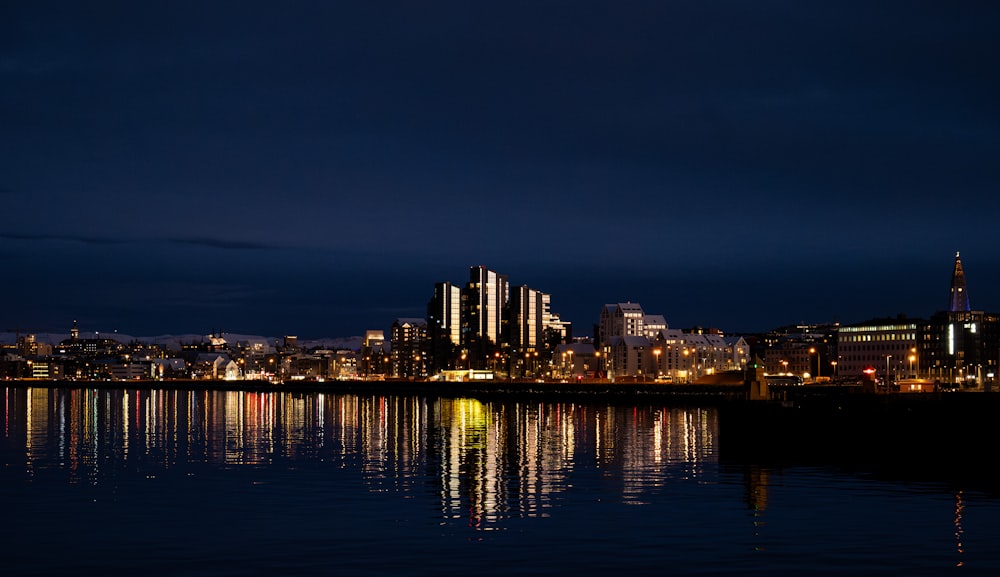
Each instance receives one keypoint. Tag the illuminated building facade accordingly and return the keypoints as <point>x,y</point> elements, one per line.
<point>484,300</point>
<point>959,297</point>
<point>528,318</point>
<point>407,338</point>
<point>880,345</point>
<point>960,346</point>
<point>621,320</point>
<point>961,349</point>
<point>444,326</point>
<point>373,360</point>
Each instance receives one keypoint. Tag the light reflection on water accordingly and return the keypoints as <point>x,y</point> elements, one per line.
<point>227,482</point>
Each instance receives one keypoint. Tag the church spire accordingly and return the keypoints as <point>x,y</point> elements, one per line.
<point>959,295</point>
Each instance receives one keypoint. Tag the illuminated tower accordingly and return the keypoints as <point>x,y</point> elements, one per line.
<point>485,299</point>
<point>529,317</point>
<point>444,326</point>
<point>74,333</point>
<point>959,295</point>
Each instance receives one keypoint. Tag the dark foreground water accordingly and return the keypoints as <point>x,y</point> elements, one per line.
<point>127,482</point>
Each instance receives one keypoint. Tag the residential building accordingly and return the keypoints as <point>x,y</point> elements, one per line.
<point>529,316</point>
<point>620,320</point>
<point>444,327</point>
<point>484,301</point>
<point>408,339</point>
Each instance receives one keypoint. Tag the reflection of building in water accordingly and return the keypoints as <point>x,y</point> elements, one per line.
<point>959,510</point>
<point>488,461</point>
<point>755,480</point>
<point>501,459</point>
<point>37,424</point>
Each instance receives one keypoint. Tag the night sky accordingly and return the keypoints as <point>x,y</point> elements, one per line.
<point>313,168</point>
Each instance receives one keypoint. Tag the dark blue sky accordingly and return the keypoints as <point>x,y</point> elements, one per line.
<point>314,168</point>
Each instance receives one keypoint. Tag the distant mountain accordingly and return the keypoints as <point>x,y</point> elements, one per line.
<point>174,342</point>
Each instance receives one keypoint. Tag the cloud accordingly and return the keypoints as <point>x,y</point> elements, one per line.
<point>63,238</point>
<point>221,243</point>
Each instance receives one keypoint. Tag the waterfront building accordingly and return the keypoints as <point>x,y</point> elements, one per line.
<point>960,349</point>
<point>737,353</point>
<point>130,371</point>
<point>529,316</point>
<point>807,351</point>
<point>45,369</point>
<point>621,320</point>
<point>579,360</point>
<point>680,356</point>
<point>490,325</point>
<point>626,356</point>
<point>407,342</point>
<point>673,358</point>
<point>214,366</point>
<point>373,359</point>
<point>170,368</point>
<point>956,348</point>
<point>444,326</point>
<point>960,346</point>
<point>878,346</point>
<point>483,303</point>
<point>345,365</point>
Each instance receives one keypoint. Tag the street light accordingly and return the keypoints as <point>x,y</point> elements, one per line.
<point>812,351</point>
<point>656,355</point>
<point>784,365</point>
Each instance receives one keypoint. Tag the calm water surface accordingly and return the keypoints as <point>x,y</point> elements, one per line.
<point>138,482</point>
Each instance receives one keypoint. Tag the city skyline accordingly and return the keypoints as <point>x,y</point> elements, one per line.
<point>314,170</point>
<point>450,293</point>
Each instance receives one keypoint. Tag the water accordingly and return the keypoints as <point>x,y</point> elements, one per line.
<point>163,482</point>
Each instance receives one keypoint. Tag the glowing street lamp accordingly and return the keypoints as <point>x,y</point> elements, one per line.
<point>812,351</point>
<point>656,355</point>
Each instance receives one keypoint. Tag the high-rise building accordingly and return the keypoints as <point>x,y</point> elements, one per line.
<point>444,313</point>
<point>444,326</point>
<point>484,301</point>
<point>407,338</point>
<point>528,318</point>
